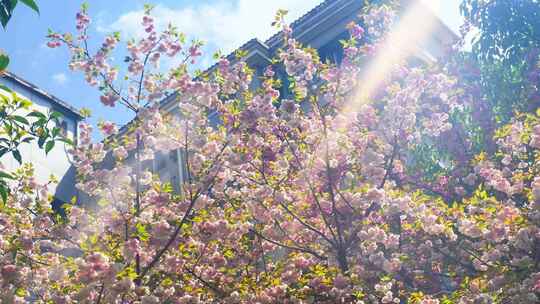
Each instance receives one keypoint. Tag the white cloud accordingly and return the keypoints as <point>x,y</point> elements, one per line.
<point>222,24</point>
<point>60,78</point>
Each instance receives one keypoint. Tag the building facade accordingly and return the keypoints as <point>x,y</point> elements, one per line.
<point>321,28</point>
<point>57,161</point>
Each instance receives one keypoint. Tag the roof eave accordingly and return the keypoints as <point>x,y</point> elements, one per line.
<point>55,100</point>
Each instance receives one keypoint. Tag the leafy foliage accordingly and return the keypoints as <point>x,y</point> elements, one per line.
<point>507,30</point>
<point>8,6</point>
<point>505,46</point>
<point>4,61</point>
<point>21,125</point>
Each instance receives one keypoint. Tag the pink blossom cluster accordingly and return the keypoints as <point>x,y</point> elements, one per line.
<point>307,199</point>
<point>379,20</point>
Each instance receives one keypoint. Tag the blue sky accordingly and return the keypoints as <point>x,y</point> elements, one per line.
<point>223,23</point>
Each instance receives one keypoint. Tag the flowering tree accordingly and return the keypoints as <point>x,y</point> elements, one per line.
<point>329,197</point>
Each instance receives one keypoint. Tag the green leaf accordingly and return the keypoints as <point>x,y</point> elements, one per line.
<point>5,175</point>
<point>3,87</point>
<point>6,10</point>
<point>85,112</point>
<point>8,129</point>
<point>56,115</point>
<point>55,132</point>
<point>84,6</point>
<point>141,232</point>
<point>37,114</point>
<point>31,4</point>
<point>49,146</point>
<point>217,55</point>
<point>25,103</point>
<point>4,193</point>
<point>20,119</point>
<point>241,54</point>
<point>17,155</point>
<point>41,141</point>
<point>4,61</point>
<point>21,292</point>
<point>148,8</point>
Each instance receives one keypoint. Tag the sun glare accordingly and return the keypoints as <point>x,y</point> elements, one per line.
<point>404,41</point>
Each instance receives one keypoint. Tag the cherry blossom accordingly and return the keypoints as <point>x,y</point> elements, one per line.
<point>286,199</point>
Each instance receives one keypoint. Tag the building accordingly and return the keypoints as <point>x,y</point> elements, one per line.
<point>321,28</point>
<point>57,161</point>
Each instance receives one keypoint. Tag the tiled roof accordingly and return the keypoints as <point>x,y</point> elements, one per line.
<point>55,100</point>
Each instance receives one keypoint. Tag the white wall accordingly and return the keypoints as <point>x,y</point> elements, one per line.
<point>57,161</point>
